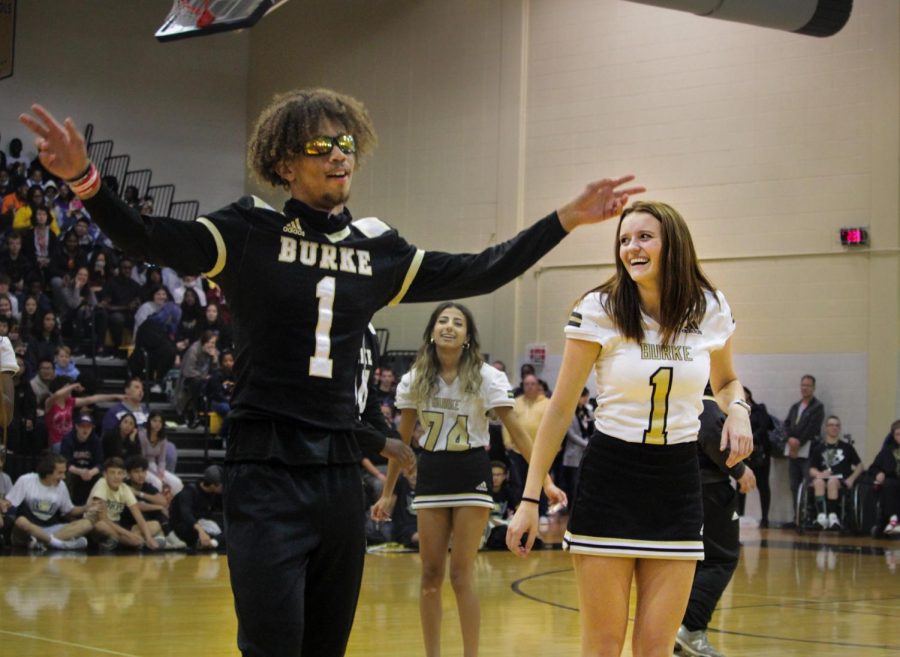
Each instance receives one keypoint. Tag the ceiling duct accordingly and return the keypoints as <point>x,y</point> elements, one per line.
<point>820,18</point>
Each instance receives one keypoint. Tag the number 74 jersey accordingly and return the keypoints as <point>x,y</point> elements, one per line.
<point>454,421</point>
<point>648,392</point>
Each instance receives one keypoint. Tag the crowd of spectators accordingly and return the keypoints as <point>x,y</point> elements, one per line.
<point>68,301</point>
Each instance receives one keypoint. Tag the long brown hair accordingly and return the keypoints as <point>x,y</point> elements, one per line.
<point>426,368</point>
<point>682,281</point>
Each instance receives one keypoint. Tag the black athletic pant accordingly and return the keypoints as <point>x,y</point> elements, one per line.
<point>890,498</point>
<point>296,546</point>
<point>761,466</point>
<point>518,472</point>
<point>721,547</point>
<point>798,470</point>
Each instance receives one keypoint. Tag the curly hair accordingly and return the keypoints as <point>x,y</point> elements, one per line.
<point>293,119</point>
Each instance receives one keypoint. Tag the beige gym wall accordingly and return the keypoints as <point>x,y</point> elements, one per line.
<point>491,114</point>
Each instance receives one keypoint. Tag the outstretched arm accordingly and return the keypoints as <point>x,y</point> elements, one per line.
<point>186,246</point>
<point>96,399</point>
<point>434,276</point>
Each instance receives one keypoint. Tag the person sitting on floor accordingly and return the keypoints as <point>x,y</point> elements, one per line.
<point>191,510</point>
<point>45,515</point>
<point>116,496</point>
<point>152,503</point>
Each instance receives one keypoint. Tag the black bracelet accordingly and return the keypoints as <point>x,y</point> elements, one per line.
<point>530,499</point>
<point>81,175</point>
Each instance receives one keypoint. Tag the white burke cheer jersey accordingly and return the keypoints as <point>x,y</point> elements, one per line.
<point>455,422</point>
<point>648,392</point>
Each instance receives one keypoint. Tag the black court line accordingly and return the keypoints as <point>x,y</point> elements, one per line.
<point>869,550</point>
<point>516,586</point>
<point>517,589</point>
<point>843,644</point>
<point>807,603</point>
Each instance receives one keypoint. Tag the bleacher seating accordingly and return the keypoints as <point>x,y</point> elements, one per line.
<point>197,447</point>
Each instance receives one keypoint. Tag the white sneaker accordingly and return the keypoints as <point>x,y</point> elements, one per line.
<point>822,521</point>
<point>174,543</point>
<point>694,644</point>
<point>833,522</point>
<point>80,543</point>
<point>893,527</point>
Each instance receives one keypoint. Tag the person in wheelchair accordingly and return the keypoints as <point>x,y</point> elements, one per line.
<point>833,465</point>
<point>886,469</point>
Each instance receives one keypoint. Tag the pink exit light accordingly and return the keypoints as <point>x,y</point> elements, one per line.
<point>854,236</point>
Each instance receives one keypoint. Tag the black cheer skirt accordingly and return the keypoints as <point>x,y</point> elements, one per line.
<point>637,501</point>
<point>446,479</point>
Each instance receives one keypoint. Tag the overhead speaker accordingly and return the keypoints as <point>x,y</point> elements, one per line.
<point>819,18</point>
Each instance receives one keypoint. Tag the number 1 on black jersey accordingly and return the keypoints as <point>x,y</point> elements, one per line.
<point>320,363</point>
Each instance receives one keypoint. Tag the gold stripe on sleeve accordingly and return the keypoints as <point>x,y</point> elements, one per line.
<point>410,276</point>
<point>220,247</point>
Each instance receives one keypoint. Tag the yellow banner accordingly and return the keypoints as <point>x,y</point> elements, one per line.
<point>7,36</point>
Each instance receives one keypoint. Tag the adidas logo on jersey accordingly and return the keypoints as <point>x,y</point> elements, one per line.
<point>294,228</point>
<point>482,487</point>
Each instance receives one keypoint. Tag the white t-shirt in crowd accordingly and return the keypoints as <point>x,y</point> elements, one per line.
<point>44,502</point>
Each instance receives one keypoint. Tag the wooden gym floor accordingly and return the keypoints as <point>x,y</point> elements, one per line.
<point>818,594</point>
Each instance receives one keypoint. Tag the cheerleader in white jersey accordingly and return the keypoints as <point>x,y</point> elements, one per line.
<point>451,389</point>
<point>654,332</point>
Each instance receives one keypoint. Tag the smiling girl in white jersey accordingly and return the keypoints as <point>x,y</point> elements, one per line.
<point>654,332</point>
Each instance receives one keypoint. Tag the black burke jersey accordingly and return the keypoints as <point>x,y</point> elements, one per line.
<point>302,287</point>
